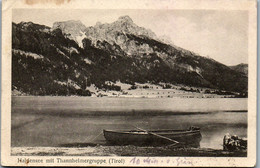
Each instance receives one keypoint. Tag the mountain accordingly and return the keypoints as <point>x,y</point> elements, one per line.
<point>116,31</point>
<point>72,29</point>
<point>242,68</point>
<point>69,58</point>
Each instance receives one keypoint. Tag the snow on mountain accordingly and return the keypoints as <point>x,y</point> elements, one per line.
<point>27,54</point>
<point>72,29</point>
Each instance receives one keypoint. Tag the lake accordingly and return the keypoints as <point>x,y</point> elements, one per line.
<point>66,121</point>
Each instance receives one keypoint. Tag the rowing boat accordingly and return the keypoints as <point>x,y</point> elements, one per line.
<point>190,137</point>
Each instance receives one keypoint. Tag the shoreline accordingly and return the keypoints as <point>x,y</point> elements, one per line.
<point>128,150</point>
<point>127,113</point>
<point>138,97</point>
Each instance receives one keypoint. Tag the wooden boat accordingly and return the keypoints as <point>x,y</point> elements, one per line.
<point>190,137</point>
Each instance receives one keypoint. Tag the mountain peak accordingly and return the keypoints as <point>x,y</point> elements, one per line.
<point>33,26</point>
<point>73,29</point>
<point>69,24</point>
<point>116,31</point>
<point>125,18</point>
<point>26,23</point>
<point>98,24</point>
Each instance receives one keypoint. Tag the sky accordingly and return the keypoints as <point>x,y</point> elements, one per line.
<point>218,34</point>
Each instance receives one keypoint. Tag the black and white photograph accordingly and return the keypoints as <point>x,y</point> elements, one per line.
<point>128,82</point>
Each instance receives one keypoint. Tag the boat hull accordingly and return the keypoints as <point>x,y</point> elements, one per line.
<point>189,138</point>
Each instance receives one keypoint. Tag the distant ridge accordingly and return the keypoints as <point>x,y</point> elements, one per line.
<point>242,68</point>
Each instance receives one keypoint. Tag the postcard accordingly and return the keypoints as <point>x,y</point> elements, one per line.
<point>129,83</point>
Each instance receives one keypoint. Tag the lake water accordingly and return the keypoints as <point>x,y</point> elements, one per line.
<point>67,121</point>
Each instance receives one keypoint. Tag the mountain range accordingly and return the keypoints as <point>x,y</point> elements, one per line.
<point>69,57</point>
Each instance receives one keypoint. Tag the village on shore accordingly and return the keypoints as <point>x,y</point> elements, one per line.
<point>163,90</point>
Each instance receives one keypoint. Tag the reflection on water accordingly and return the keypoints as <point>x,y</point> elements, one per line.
<point>40,121</point>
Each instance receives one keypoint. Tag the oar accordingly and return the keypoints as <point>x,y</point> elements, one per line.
<point>160,136</point>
